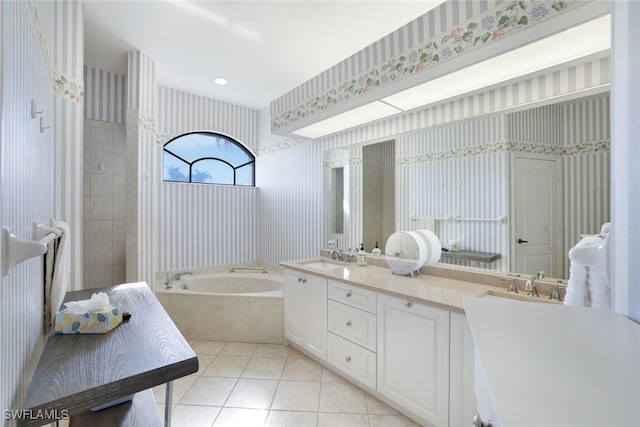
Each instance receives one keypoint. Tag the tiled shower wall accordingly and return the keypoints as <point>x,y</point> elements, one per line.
<point>105,208</point>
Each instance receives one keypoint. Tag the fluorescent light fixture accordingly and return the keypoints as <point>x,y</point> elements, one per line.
<point>574,43</point>
<point>360,115</point>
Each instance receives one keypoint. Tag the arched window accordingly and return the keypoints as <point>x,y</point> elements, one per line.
<point>208,157</point>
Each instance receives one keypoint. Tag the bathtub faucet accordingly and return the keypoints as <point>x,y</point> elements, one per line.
<point>171,280</point>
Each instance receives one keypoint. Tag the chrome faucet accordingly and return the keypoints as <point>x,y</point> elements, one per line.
<point>171,280</point>
<point>530,285</point>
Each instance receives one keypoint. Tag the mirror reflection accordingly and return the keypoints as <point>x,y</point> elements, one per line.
<point>523,185</point>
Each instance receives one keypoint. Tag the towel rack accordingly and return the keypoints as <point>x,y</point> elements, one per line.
<point>15,250</point>
<point>452,218</point>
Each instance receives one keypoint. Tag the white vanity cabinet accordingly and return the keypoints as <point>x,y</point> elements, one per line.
<point>462,399</point>
<point>305,312</point>
<point>413,357</point>
<point>352,332</point>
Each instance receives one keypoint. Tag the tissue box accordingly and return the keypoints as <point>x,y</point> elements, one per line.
<point>91,322</point>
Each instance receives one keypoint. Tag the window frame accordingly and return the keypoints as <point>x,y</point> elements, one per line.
<point>191,164</point>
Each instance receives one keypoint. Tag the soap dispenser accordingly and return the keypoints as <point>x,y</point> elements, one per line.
<point>362,256</point>
<point>376,251</point>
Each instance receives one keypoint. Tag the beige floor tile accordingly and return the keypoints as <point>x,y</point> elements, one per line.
<point>267,368</point>
<point>391,421</point>
<point>210,391</point>
<point>226,366</point>
<point>377,407</point>
<point>272,350</point>
<point>239,349</point>
<point>193,416</point>
<point>342,398</point>
<point>342,420</point>
<point>207,347</point>
<point>331,377</point>
<point>203,363</point>
<point>292,419</point>
<point>297,396</point>
<point>180,387</point>
<point>234,417</point>
<point>252,394</point>
<point>294,353</point>
<point>302,370</point>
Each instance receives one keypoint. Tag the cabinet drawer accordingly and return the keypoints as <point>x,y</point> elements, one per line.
<point>352,324</point>
<point>353,360</point>
<point>353,296</point>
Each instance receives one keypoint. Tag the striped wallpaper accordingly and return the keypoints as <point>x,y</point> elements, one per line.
<point>27,169</point>
<point>105,95</point>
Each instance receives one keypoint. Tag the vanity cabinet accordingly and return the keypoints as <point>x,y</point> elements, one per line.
<point>352,332</point>
<point>305,312</point>
<point>462,399</point>
<point>413,357</point>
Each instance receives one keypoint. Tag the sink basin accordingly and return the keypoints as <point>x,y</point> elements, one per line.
<point>322,265</point>
<point>519,297</point>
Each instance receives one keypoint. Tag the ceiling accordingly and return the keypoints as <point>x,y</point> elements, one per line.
<point>263,48</point>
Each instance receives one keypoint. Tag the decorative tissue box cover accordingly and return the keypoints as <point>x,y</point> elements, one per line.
<point>91,322</point>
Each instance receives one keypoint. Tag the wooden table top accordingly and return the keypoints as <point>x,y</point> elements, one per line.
<point>78,372</point>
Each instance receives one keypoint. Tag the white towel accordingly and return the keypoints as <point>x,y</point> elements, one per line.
<point>588,283</point>
<point>427,223</point>
<point>57,274</point>
<point>577,286</point>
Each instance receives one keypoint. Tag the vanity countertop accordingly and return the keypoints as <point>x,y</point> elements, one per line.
<point>439,291</point>
<point>557,366</point>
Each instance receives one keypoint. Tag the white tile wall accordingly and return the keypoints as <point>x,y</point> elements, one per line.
<point>104,245</point>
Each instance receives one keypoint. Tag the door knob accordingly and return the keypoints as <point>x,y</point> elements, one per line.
<point>522,241</point>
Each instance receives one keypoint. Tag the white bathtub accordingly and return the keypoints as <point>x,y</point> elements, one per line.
<point>241,307</point>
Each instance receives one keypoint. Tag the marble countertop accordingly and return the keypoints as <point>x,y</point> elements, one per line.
<point>445,292</point>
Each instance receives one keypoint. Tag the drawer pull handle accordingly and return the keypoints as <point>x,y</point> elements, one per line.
<point>348,359</point>
<point>349,295</point>
<point>348,323</point>
<point>408,305</point>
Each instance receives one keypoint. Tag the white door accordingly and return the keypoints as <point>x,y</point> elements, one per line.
<point>536,227</point>
<point>293,307</point>
<point>315,315</point>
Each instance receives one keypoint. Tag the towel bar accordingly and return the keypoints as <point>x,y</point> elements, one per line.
<point>15,250</point>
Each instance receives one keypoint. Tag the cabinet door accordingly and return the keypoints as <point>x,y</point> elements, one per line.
<point>315,315</point>
<point>293,307</point>
<point>413,357</point>
<point>462,404</point>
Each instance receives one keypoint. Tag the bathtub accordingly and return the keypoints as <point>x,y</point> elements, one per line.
<point>222,306</point>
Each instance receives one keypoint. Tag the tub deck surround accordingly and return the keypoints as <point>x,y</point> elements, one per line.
<point>218,305</point>
<point>442,292</point>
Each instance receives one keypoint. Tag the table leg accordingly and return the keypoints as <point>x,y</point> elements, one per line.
<point>167,404</point>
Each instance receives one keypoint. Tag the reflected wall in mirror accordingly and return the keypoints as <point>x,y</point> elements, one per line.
<point>464,169</point>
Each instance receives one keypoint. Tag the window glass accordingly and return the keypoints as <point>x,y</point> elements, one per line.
<point>207,157</point>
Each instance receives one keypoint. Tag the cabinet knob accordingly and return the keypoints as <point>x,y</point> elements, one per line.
<point>348,294</point>
<point>299,279</point>
<point>348,359</point>
<point>408,305</point>
<point>304,280</point>
<point>348,323</point>
<point>477,421</point>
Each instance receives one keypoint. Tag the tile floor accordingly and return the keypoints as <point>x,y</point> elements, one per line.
<point>241,384</point>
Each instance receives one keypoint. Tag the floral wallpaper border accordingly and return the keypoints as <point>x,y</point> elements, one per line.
<point>494,25</point>
<point>63,85</point>
<point>508,146</point>
<point>351,160</point>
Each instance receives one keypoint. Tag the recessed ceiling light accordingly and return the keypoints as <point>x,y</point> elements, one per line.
<point>220,80</point>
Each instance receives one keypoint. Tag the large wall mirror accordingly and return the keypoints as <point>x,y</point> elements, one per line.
<point>539,176</point>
